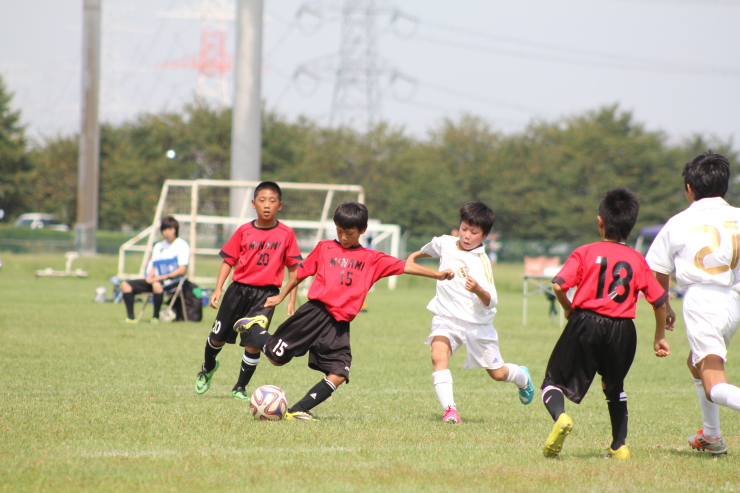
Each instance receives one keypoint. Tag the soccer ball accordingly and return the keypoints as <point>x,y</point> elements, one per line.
<point>268,403</point>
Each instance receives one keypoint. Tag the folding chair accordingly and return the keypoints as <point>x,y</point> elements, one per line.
<point>174,291</point>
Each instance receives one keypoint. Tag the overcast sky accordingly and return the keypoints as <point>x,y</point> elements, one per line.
<point>674,63</point>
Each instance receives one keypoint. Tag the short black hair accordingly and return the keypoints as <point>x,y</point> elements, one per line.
<point>170,222</point>
<point>708,174</point>
<point>269,185</point>
<point>351,215</point>
<point>478,214</point>
<point>618,209</point>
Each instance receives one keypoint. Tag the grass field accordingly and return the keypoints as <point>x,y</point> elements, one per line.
<point>92,404</point>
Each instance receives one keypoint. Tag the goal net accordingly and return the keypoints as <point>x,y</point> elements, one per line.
<point>203,210</point>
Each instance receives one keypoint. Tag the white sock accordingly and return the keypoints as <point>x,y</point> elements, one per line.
<point>725,394</point>
<point>443,388</point>
<point>516,375</point>
<point>709,412</point>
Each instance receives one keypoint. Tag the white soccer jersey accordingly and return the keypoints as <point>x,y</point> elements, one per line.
<point>452,299</point>
<point>702,242</point>
<point>178,249</point>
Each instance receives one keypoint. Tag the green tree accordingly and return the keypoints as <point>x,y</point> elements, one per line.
<point>14,162</point>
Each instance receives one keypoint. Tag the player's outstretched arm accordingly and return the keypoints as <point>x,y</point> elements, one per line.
<point>223,274</point>
<point>292,274</point>
<point>293,282</point>
<point>416,255</point>
<point>419,270</point>
<point>660,345</point>
<point>670,316</point>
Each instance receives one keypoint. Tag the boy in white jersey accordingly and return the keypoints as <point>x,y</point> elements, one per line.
<point>701,243</point>
<point>464,309</point>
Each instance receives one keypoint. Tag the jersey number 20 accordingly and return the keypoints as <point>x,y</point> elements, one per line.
<point>715,239</point>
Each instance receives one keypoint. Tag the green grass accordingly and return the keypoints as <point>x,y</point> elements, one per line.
<point>91,404</point>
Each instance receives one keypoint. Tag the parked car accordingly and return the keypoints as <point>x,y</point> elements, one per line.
<point>38,220</point>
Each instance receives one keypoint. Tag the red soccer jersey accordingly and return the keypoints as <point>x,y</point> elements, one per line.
<point>345,275</point>
<point>609,277</point>
<point>261,255</point>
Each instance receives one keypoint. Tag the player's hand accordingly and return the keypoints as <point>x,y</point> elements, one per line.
<point>670,317</point>
<point>661,348</point>
<point>272,301</point>
<point>215,298</point>
<point>291,309</point>
<point>471,284</point>
<point>567,312</point>
<point>446,275</point>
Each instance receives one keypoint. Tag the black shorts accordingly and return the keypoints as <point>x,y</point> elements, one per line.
<point>313,330</point>
<point>241,300</point>
<point>590,344</point>
<point>139,286</point>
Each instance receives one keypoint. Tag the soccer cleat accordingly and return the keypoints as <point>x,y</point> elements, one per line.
<point>300,416</point>
<point>451,416</point>
<point>622,453</point>
<point>561,429</point>
<point>203,381</point>
<point>244,324</point>
<point>527,393</point>
<point>154,321</point>
<point>239,393</point>
<point>718,446</point>
<point>130,321</point>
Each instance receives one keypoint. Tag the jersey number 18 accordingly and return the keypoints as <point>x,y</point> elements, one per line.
<point>618,281</point>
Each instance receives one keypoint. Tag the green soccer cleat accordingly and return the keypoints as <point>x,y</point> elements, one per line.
<point>527,393</point>
<point>239,393</point>
<point>246,323</point>
<point>130,321</point>
<point>203,381</point>
<point>554,443</point>
<point>622,453</point>
<point>154,321</point>
<point>300,416</point>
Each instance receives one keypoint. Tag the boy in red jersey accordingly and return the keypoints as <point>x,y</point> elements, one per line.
<point>600,335</point>
<point>259,252</point>
<point>344,272</point>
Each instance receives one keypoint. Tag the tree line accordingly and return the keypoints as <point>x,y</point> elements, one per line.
<point>544,183</point>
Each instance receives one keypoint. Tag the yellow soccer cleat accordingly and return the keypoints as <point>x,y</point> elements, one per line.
<point>622,453</point>
<point>561,429</point>
<point>300,416</point>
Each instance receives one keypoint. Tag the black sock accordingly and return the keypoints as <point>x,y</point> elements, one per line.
<point>157,299</point>
<point>554,402</point>
<point>619,417</point>
<point>209,362</point>
<point>249,365</point>
<point>128,299</point>
<point>259,336</point>
<point>318,394</point>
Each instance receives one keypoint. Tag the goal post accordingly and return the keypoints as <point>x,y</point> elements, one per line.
<point>202,209</point>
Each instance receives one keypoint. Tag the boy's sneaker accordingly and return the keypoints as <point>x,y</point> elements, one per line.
<point>203,380</point>
<point>622,453</point>
<point>527,393</point>
<point>155,321</point>
<point>246,323</point>
<point>718,446</point>
<point>130,320</point>
<point>300,416</point>
<point>561,429</point>
<point>451,416</point>
<point>239,393</point>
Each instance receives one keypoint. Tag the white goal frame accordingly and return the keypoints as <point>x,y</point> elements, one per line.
<point>384,236</point>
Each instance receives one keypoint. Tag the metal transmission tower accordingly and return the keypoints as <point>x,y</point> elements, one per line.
<point>212,62</point>
<point>358,68</point>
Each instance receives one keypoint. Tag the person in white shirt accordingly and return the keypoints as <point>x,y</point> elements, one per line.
<point>702,245</point>
<point>464,309</point>
<point>169,262</point>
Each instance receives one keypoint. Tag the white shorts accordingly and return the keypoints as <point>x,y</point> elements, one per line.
<point>481,341</point>
<point>711,314</point>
